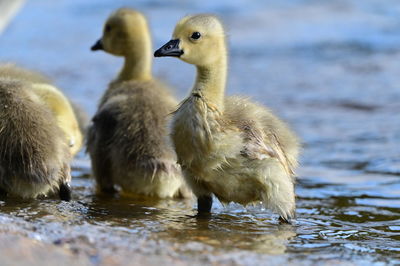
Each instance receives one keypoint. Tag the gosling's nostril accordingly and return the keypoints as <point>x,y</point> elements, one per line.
<point>171,48</point>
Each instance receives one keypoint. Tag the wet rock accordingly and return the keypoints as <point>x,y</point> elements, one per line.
<point>18,250</point>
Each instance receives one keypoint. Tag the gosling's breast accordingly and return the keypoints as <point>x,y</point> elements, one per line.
<point>192,129</point>
<point>202,139</point>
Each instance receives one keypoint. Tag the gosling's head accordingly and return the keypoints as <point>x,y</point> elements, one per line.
<point>126,30</point>
<point>198,40</point>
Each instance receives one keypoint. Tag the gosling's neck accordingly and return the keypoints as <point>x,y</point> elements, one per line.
<point>137,65</point>
<point>211,82</point>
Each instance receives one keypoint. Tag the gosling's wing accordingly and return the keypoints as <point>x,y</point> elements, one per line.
<point>259,128</point>
<point>102,129</point>
<point>99,137</point>
<point>259,145</point>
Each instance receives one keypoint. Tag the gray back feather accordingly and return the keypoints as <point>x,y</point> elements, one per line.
<point>30,141</point>
<point>131,122</point>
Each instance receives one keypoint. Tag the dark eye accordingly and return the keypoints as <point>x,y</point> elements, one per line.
<point>195,35</point>
<point>107,28</point>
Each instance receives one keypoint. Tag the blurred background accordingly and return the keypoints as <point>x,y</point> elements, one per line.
<point>329,68</point>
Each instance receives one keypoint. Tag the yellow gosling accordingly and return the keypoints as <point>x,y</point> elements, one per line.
<point>54,99</point>
<point>128,140</point>
<point>38,136</point>
<point>228,146</point>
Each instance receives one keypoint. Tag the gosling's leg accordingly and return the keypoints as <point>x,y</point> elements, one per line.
<point>3,193</point>
<point>204,204</point>
<point>65,191</point>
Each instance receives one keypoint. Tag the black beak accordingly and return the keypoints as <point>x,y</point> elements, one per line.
<point>97,46</point>
<point>171,48</point>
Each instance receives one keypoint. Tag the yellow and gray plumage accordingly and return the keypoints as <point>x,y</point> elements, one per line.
<point>128,141</point>
<point>228,146</point>
<point>38,135</point>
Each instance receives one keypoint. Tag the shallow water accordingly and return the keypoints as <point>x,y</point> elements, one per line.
<point>330,68</point>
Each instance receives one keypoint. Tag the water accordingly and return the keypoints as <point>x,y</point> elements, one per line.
<point>330,68</point>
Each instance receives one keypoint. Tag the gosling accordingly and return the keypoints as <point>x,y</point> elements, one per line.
<point>228,146</point>
<point>38,136</point>
<point>69,117</point>
<point>128,139</point>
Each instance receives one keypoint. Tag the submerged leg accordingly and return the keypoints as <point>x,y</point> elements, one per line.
<point>65,191</point>
<point>204,204</point>
<point>3,193</point>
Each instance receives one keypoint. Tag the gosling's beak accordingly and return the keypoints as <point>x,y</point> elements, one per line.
<point>171,48</point>
<point>97,46</point>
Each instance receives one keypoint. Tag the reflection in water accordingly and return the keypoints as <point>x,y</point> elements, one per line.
<point>169,220</point>
<point>230,232</point>
<point>99,224</point>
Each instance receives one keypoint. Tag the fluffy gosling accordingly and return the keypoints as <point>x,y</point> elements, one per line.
<point>38,135</point>
<point>228,146</point>
<point>128,140</point>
